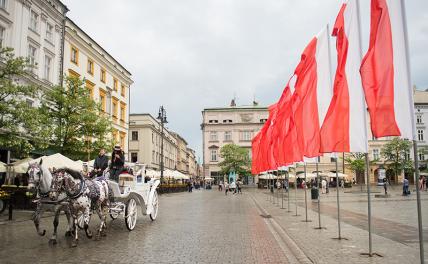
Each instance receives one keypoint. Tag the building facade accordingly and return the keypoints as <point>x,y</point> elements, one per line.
<point>226,125</point>
<point>34,30</point>
<point>107,80</point>
<point>145,142</point>
<point>192,163</point>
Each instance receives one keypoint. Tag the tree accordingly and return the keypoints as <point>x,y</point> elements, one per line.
<point>395,154</point>
<point>77,124</point>
<point>20,124</point>
<point>357,164</point>
<point>235,159</point>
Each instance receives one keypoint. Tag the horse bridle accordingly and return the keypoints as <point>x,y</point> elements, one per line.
<point>38,193</point>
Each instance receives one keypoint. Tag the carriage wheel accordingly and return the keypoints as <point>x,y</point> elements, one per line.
<point>131,214</point>
<point>155,204</point>
<point>81,220</point>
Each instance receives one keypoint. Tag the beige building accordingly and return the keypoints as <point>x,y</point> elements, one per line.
<point>225,125</point>
<point>107,80</point>
<point>145,142</point>
<point>182,154</point>
<point>193,164</point>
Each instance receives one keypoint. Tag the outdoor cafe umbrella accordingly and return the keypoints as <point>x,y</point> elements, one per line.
<point>2,167</point>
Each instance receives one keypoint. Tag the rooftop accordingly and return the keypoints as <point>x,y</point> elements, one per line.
<point>421,97</point>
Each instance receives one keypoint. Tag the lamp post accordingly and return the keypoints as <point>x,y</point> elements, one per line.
<point>162,120</point>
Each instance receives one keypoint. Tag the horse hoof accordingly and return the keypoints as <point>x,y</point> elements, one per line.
<point>52,241</point>
<point>68,234</point>
<point>43,233</point>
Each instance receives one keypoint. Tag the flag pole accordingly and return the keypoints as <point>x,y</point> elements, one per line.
<point>369,206</point>
<point>295,193</point>
<point>282,193</point>
<point>306,197</point>
<point>319,195</point>
<point>288,191</point>
<point>415,144</point>
<point>338,204</point>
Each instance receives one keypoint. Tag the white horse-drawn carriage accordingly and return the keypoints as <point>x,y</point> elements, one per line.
<point>130,194</point>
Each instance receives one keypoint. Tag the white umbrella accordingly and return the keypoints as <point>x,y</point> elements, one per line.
<point>2,167</point>
<point>59,161</point>
<point>268,177</point>
<point>308,176</point>
<point>20,166</point>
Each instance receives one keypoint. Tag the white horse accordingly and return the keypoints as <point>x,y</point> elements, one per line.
<point>39,180</point>
<point>83,195</point>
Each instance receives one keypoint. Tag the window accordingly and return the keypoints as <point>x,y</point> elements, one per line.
<point>90,67</point>
<point>122,90</point>
<point>153,156</point>
<point>90,86</point>
<point>49,32</point>
<point>420,134</point>
<point>134,156</point>
<point>122,112</point>
<point>421,156</point>
<point>419,119</point>
<point>213,136</point>
<point>115,84</point>
<point>213,155</point>
<point>213,121</point>
<point>114,136</point>
<point>263,120</point>
<point>3,4</point>
<point>134,135</point>
<point>2,36</point>
<point>122,140</point>
<point>114,109</point>
<point>227,136</point>
<point>375,154</point>
<point>34,20</point>
<point>246,135</point>
<point>227,121</point>
<point>32,53</point>
<point>74,56</point>
<point>48,66</point>
<point>153,138</point>
<point>103,100</point>
<point>103,75</point>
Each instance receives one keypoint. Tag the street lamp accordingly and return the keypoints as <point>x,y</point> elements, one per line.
<point>162,120</point>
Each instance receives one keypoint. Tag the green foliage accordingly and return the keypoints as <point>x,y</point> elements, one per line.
<point>357,164</point>
<point>20,123</point>
<point>235,158</point>
<point>77,125</point>
<point>395,154</point>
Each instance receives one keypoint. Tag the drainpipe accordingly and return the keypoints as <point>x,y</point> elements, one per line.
<point>61,58</point>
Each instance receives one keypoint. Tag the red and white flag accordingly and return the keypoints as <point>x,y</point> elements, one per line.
<point>312,94</point>
<point>344,128</point>
<point>385,73</point>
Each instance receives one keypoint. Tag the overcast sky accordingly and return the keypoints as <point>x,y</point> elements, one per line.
<point>191,54</point>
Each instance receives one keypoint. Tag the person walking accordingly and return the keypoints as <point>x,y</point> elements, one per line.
<point>421,183</point>
<point>220,186</point>
<point>117,163</point>
<point>385,187</point>
<point>233,187</point>
<point>406,187</point>
<point>226,187</point>
<point>278,185</point>
<point>323,185</point>
<point>101,162</point>
<point>238,187</point>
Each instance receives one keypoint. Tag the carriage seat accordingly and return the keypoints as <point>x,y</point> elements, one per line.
<point>114,186</point>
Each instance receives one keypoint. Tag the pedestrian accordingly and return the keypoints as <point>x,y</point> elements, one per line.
<point>117,163</point>
<point>323,185</point>
<point>233,187</point>
<point>286,185</point>
<point>406,187</point>
<point>426,184</point>
<point>226,187</point>
<point>220,186</point>
<point>421,183</point>
<point>385,181</point>
<point>101,162</point>
<point>238,187</point>
<point>342,183</point>
<point>278,185</point>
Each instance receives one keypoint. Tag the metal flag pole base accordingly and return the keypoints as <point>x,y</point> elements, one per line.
<point>340,238</point>
<point>374,254</point>
<point>320,227</point>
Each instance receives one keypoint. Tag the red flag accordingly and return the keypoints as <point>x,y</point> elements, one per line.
<point>312,94</point>
<point>344,127</point>
<point>384,72</point>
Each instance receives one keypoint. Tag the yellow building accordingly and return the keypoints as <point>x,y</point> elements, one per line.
<point>108,81</point>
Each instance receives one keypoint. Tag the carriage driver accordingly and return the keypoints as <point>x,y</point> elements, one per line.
<point>101,162</point>
<point>117,162</point>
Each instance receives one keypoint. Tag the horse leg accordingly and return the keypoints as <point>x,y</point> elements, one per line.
<point>67,212</point>
<point>99,212</point>
<point>86,225</point>
<point>55,223</point>
<point>75,238</point>
<point>36,219</point>
<point>105,213</point>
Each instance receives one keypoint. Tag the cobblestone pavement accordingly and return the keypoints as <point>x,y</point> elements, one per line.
<point>395,234</point>
<point>200,227</point>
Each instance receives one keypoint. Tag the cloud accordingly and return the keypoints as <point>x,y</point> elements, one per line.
<point>191,54</point>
